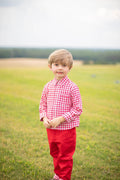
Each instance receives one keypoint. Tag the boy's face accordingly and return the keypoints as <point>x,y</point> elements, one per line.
<point>60,70</point>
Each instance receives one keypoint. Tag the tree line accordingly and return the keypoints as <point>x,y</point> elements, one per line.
<point>96,56</point>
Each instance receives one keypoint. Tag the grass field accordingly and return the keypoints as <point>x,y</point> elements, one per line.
<point>24,152</point>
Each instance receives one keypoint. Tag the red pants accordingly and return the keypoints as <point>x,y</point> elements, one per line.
<point>62,145</point>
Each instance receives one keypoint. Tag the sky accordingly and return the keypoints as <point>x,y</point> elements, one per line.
<point>60,23</point>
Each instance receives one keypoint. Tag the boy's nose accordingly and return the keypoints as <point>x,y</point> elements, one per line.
<point>60,66</point>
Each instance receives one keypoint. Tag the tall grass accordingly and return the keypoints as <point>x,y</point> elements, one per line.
<point>24,152</point>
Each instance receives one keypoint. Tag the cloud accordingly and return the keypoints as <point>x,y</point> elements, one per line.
<point>109,14</point>
<point>58,23</point>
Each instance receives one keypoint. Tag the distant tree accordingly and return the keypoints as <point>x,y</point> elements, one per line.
<point>86,55</point>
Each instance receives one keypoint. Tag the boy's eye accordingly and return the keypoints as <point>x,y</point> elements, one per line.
<point>64,65</point>
<point>56,64</point>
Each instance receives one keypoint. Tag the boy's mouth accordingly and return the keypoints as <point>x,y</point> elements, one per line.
<point>59,72</point>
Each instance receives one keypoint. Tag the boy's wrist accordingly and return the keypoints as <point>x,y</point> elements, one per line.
<point>62,119</point>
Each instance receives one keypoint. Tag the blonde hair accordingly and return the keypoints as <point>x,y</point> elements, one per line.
<point>61,56</point>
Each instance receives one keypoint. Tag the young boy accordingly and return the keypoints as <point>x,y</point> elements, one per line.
<point>60,108</point>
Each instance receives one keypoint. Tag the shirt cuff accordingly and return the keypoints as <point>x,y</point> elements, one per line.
<point>67,117</point>
<point>42,115</point>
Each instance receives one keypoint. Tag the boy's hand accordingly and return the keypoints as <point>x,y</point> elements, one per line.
<point>46,122</point>
<point>57,121</point>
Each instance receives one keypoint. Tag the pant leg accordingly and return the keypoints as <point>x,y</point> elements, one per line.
<point>62,147</point>
<point>66,151</point>
<point>54,150</point>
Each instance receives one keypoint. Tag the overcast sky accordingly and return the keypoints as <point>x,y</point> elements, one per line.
<point>60,23</point>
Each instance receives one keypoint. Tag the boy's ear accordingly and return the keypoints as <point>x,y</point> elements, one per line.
<point>49,66</point>
<point>70,68</point>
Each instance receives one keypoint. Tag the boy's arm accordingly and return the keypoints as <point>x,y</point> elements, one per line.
<point>43,104</point>
<point>76,108</point>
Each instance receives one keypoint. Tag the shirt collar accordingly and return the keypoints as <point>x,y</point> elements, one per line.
<point>60,82</point>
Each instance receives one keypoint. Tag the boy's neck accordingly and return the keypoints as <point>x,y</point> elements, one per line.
<point>60,79</point>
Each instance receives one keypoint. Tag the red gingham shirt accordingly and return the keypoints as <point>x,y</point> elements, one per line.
<point>61,98</point>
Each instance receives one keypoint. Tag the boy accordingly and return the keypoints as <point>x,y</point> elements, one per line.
<point>60,108</point>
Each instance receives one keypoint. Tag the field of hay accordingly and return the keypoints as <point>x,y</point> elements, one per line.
<point>27,63</point>
<point>24,152</point>
<point>22,63</point>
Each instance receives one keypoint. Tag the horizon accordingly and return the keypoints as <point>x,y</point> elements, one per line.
<point>40,47</point>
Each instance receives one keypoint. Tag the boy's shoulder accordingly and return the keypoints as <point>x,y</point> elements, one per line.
<point>48,83</point>
<point>72,84</point>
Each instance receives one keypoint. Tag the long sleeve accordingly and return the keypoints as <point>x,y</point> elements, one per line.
<point>43,104</point>
<point>76,108</point>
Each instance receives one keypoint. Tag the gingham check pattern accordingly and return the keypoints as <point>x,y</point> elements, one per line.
<point>61,98</point>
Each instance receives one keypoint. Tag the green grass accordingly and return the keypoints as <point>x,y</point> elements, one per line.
<point>24,151</point>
